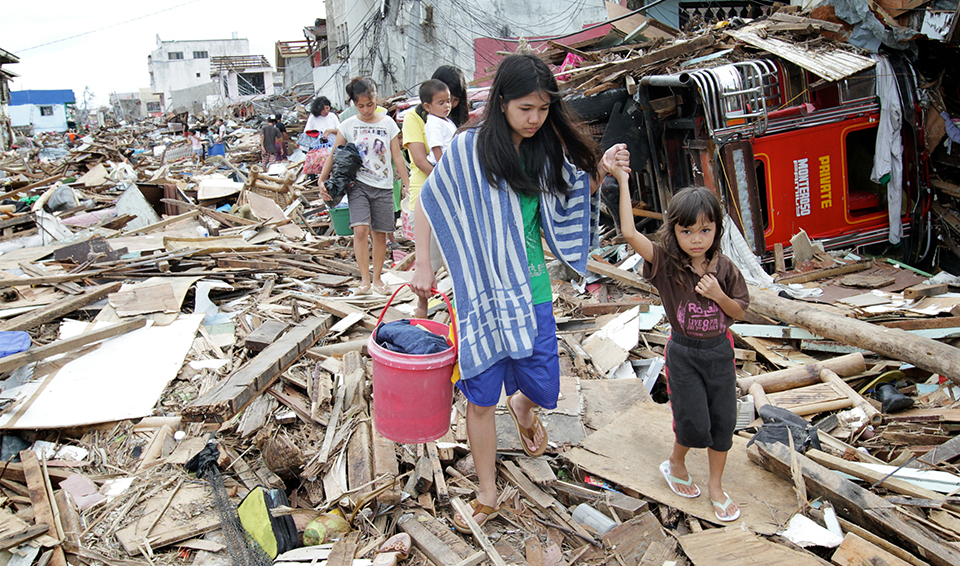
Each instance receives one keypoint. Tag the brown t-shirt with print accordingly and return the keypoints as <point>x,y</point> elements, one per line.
<point>691,314</point>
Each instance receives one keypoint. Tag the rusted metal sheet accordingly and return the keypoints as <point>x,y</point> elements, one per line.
<point>829,63</point>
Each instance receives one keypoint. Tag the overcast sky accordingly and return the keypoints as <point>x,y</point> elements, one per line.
<point>109,55</point>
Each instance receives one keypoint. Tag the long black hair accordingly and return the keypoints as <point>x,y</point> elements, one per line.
<point>454,80</point>
<point>686,208</point>
<point>318,104</point>
<point>543,154</point>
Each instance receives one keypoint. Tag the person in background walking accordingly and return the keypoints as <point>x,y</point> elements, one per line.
<point>269,135</point>
<point>371,199</point>
<point>322,119</point>
<point>282,140</point>
<point>415,140</point>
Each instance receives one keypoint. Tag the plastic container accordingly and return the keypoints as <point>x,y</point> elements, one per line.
<point>341,221</point>
<point>412,394</point>
<point>588,516</point>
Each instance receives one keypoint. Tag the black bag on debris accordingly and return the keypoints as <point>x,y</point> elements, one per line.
<point>780,424</point>
<point>343,172</point>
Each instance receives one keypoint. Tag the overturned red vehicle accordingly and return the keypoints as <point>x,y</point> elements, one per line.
<point>788,150</point>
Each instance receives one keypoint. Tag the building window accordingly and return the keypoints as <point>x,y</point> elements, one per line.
<point>198,75</point>
<point>153,107</point>
<point>250,83</point>
<point>46,110</point>
<point>201,55</point>
<point>175,55</point>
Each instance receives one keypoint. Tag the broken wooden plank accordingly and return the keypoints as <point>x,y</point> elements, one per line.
<point>59,308</point>
<point>385,463</point>
<point>231,396</point>
<point>14,361</point>
<point>343,550</point>
<point>673,51</point>
<point>44,507</point>
<point>596,309</point>
<point>923,290</point>
<point>872,477</point>
<point>439,551</point>
<point>733,545</point>
<point>855,551</point>
<point>855,503</point>
<point>828,272</point>
<point>264,335</point>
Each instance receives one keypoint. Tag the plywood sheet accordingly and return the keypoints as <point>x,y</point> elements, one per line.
<point>121,379</point>
<point>731,545</point>
<point>629,450</point>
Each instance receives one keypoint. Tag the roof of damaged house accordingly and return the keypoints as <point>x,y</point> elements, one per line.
<point>18,97</point>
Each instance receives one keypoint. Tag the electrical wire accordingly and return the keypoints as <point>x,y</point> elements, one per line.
<point>107,27</point>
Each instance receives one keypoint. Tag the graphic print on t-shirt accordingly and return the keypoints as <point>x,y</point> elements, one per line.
<point>375,153</point>
<point>698,321</point>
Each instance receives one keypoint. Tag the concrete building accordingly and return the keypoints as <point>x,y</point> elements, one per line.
<point>400,44</point>
<point>6,76</point>
<point>242,76</point>
<point>179,65</point>
<point>42,110</point>
<point>150,104</point>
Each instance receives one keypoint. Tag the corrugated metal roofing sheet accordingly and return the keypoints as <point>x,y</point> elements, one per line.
<point>19,97</point>
<point>828,62</point>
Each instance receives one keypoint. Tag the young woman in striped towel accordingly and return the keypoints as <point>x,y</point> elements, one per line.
<point>528,172</point>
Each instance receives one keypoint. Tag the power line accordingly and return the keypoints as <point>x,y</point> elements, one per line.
<point>107,27</point>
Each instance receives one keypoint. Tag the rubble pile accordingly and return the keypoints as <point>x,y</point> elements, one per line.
<point>155,308</point>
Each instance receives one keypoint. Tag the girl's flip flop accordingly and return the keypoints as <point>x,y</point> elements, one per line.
<point>665,471</point>
<point>726,505</point>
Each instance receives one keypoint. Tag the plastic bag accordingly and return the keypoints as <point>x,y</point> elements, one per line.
<point>343,174</point>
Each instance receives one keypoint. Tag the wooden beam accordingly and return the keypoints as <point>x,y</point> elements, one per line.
<point>231,396</point>
<point>432,546</point>
<point>59,308</point>
<point>894,343</point>
<point>829,272</point>
<point>871,476</point>
<point>44,508</point>
<point>14,361</point>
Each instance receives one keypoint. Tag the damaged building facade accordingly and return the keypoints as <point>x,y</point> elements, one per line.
<point>400,43</point>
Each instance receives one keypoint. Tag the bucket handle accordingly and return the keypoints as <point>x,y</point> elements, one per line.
<point>453,323</point>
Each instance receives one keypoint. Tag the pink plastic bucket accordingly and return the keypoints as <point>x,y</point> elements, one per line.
<point>412,395</point>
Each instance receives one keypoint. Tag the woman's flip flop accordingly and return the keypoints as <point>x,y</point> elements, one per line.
<point>478,508</point>
<point>665,471</point>
<point>529,433</point>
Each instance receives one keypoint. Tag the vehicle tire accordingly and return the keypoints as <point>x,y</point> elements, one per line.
<point>598,106</point>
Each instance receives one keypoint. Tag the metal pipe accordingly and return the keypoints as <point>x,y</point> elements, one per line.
<point>679,79</point>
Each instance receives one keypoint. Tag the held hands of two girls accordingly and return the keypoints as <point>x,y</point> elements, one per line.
<point>616,157</point>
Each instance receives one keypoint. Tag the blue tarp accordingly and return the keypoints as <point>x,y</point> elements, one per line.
<point>19,97</point>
